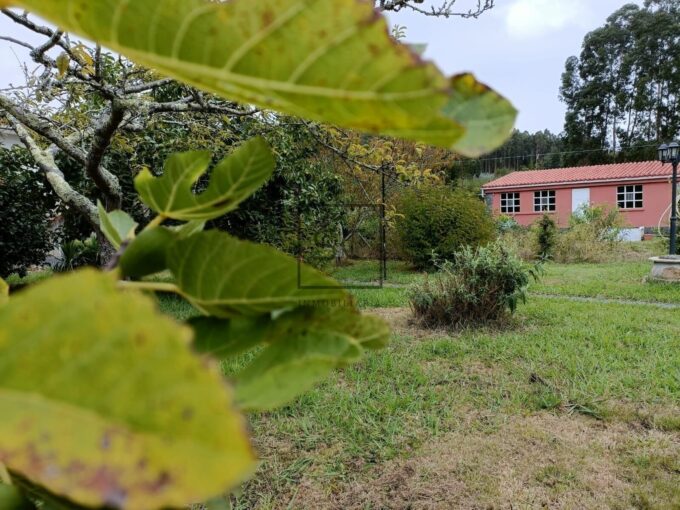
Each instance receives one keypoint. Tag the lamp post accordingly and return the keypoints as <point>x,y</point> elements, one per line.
<point>671,154</point>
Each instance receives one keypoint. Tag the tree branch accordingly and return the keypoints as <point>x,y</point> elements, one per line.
<point>54,176</point>
<point>444,10</point>
<point>103,134</point>
<point>43,128</point>
<point>185,105</point>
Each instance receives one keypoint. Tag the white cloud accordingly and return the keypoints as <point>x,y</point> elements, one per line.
<point>527,19</point>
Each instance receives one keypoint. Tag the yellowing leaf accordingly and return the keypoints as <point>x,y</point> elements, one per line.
<point>225,277</point>
<point>488,118</point>
<point>63,61</point>
<point>103,402</point>
<point>233,180</point>
<point>331,61</point>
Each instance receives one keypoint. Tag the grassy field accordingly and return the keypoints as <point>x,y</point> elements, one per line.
<point>571,405</point>
<point>617,280</point>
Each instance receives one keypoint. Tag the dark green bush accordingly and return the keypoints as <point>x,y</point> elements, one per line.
<point>546,236</point>
<point>477,287</point>
<point>437,222</point>
<point>25,209</point>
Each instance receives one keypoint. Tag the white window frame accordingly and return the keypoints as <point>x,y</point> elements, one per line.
<point>510,203</point>
<point>630,196</point>
<point>545,201</point>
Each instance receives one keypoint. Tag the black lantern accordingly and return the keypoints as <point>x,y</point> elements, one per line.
<point>663,153</point>
<point>673,151</point>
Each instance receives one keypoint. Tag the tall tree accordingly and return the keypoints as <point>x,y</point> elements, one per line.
<point>622,91</point>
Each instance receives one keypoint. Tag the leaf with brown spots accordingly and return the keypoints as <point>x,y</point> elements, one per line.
<point>331,61</point>
<point>103,402</point>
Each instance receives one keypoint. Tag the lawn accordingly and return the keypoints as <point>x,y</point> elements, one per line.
<point>571,405</point>
<point>616,280</point>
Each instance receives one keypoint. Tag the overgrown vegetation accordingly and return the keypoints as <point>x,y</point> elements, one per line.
<point>476,287</point>
<point>435,222</point>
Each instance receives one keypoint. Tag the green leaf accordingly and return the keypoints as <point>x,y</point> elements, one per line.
<point>225,277</point>
<point>487,117</point>
<point>329,61</point>
<point>147,254</point>
<point>222,338</point>
<point>103,402</point>
<point>117,226</point>
<point>12,499</point>
<point>233,180</point>
<point>4,292</point>
<point>189,229</point>
<point>288,368</point>
<point>304,345</point>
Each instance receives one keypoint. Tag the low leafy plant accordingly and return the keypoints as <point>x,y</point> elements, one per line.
<point>506,223</point>
<point>436,219</point>
<point>77,253</point>
<point>477,287</point>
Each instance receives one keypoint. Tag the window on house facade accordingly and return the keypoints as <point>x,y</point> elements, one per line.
<point>509,203</point>
<point>629,197</point>
<point>544,201</point>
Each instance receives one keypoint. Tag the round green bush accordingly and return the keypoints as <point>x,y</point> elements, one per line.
<point>435,222</point>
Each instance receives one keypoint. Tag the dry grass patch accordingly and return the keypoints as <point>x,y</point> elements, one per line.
<point>538,461</point>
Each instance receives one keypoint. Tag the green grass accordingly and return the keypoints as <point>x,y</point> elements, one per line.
<point>616,280</point>
<point>614,363</point>
<point>368,272</point>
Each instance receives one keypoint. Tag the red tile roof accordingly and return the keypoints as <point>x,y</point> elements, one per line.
<point>557,176</point>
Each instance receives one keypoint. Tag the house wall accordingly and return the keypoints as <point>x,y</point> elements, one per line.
<point>656,198</point>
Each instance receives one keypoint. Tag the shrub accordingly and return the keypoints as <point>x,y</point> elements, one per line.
<point>25,205</point>
<point>505,223</point>
<point>606,222</point>
<point>522,242</point>
<point>476,287</point>
<point>594,236</point>
<point>546,236</point>
<point>435,219</point>
<point>78,253</point>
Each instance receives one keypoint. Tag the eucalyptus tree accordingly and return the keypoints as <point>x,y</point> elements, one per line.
<point>623,90</point>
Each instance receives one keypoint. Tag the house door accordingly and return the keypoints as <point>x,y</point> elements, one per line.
<point>579,197</point>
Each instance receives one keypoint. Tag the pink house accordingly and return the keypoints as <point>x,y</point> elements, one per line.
<point>641,191</point>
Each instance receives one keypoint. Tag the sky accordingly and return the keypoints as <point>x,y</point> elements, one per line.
<point>519,48</point>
